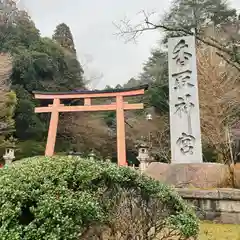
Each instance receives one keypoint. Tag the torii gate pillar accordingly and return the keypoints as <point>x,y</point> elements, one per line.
<point>121,143</point>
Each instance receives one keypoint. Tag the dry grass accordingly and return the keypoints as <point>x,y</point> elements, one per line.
<point>211,231</point>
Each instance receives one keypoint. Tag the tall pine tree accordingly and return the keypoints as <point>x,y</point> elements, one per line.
<point>63,36</point>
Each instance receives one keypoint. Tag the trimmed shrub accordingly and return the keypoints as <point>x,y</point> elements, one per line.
<point>66,199</point>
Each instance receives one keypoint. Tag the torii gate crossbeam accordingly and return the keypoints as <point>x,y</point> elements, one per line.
<point>119,106</point>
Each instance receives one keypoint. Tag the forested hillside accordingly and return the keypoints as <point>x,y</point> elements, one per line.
<point>37,63</point>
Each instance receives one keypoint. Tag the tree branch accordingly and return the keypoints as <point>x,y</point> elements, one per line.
<point>228,61</point>
<point>132,32</point>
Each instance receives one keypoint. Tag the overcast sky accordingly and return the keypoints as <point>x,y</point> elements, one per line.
<point>91,23</point>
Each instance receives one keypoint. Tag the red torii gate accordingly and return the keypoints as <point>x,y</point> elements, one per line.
<point>119,106</point>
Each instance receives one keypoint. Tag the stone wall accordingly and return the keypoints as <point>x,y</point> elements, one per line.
<point>219,205</point>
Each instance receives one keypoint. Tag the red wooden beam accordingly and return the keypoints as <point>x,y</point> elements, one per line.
<point>88,95</point>
<point>90,108</point>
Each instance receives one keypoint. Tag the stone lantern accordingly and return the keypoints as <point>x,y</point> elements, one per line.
<point>72,154</point>
<point>108,160</point>
<point>9,156</point>
<point>149,117</point>
<point>92,155</point>
<point>143,156</point>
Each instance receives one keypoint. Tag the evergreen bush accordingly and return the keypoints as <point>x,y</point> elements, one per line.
<point>61,198</point>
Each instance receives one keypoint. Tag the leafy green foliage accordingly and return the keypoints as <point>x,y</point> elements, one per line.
<point>158,97</point>
<point>155,73</point>
<point>110,118</point>
<point>131,83</point>
<point>40,64</point>
<point>20,35</point>
<point>28,125</point>
<point>156,68</point>
<point>62,198</point>
<point>29,148</point>
<point>118,86</point>
<point>7,103</point>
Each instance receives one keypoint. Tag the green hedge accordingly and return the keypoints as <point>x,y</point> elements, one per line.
<point>61,198</point>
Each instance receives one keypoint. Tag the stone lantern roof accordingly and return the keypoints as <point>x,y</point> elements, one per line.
<point>142,145</point>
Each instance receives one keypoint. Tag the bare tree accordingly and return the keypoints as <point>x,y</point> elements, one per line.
<point>219,99</point>
<point>134,218</point>
<point>155,133</point>
<point>7,100</point>
<point>5,71</point>
<point>87,131</point>
<point>228,50</point>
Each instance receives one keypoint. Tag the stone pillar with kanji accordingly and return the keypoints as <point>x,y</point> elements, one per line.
<point>186,146</point>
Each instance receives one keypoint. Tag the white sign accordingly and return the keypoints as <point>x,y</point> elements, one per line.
<point>186,146</point>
